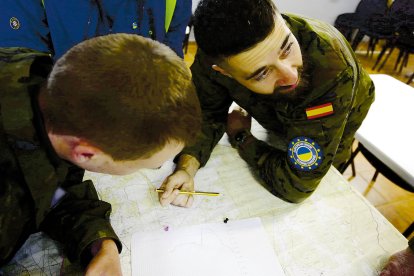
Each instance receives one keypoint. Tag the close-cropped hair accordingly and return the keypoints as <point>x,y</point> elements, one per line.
<point>124,94</point>
<point>224,28</point>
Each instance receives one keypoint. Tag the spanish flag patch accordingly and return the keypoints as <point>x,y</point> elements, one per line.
<point>319,111</point>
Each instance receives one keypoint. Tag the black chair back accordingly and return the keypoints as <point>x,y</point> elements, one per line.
<point>366,8</point>
<point>401,12</point>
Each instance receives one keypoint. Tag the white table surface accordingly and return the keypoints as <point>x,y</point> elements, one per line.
<point>334,232</point>
<point>388,130</point>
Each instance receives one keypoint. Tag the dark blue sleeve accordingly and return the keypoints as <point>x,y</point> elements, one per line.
<point>23,24</point>
<point>176,32</point>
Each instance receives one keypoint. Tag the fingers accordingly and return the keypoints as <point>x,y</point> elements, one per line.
<point>183,201</point>
<point>168,190</point>
<point>177,199</point>
<point>180,180</point>
<point>166,199</point>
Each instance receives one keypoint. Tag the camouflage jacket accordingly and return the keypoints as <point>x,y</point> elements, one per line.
<point>313,130</point>
<point>31,171</point>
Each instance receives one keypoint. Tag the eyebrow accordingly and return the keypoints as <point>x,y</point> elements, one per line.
<point>285,41</point>
<point>252,75</point>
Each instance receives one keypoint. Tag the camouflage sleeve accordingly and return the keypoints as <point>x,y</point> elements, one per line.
<point>215,102</point>
<point>293,177</point>
<point>16,212</point>
<point>79,219</point>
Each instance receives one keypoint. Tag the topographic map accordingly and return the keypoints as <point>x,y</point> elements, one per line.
<point>334,232</point>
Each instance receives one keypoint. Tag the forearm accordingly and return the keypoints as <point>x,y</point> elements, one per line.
<point>252,150</point>
<point>208,139</point>
<point>78,220</point>
<point>274,168</point>
<point>285,182</point>
<point>105,260</point>
<point>188,163</point>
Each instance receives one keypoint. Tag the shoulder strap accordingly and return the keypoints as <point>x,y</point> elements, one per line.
<point>169,12</point>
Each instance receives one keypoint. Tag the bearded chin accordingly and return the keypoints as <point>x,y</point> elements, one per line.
<point>292,95</point>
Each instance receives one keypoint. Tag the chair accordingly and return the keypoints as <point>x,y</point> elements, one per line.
<point>346,23</point>
<point>380,167</point>
<point>404,41</point>
<point>402,12</point>
<point>385,26</point>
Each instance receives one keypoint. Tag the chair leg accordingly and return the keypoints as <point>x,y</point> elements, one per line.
<point>370,42</point>
<point>353,170</point>
<point>374,44</point>
<point>357,39</point>
<point>384,49</point>
<point>348,34</point>
<point>411,78</point>
<point>404,62</point>
<point>371,183</point>
<point>407,232</point>
<point>400,55</point>
<point>351,162</point>
<point>386,58</point>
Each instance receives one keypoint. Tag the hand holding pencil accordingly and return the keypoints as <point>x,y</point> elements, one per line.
<point>179,180</point>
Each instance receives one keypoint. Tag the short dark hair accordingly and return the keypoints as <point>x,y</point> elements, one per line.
<point>125,94</point>
<point>224,28</point>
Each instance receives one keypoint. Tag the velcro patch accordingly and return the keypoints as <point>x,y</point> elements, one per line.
<point>304,153</point>
<point>319,111</point>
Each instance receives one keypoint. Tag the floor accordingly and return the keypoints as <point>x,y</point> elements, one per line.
<point>396,204</point>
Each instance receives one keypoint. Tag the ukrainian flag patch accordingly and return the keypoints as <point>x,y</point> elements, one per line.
<point>304,153</point>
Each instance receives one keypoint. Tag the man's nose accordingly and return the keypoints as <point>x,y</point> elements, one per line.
<point>287,75</point>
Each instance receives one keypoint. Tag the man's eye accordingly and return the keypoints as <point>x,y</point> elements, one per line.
<point>287,51</point>
<point>263,75</point>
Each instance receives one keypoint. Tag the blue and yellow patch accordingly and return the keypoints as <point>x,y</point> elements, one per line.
<point>304,153</point>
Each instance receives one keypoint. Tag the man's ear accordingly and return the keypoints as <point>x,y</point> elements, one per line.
<point>221,70</point>
<point>83,152</point>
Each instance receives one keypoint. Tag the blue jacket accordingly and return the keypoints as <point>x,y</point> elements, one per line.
<point>58,25</point>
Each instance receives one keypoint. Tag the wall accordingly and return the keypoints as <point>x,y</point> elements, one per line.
<point>326,10</point>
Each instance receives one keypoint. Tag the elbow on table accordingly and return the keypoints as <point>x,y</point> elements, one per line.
<point>291,192</point>
<point>293,198</point>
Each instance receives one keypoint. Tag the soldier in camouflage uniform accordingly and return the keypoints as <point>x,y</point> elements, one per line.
<point>95,112</point>
<point>298,77</point>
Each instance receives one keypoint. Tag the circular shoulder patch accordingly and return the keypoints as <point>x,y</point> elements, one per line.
<point>14,23</point>
<point>304,153</point>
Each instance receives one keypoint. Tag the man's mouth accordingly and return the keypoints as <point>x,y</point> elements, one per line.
<point>288,88</point>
